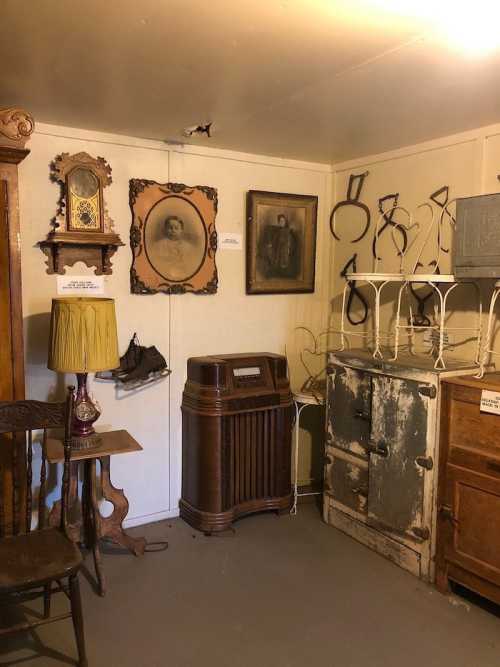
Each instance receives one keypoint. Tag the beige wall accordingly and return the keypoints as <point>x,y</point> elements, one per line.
<point>468,163</point>
<point>231,321</point>
<point>180,326</point>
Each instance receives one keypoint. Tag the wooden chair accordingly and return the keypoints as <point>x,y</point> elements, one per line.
<point>40,558</point>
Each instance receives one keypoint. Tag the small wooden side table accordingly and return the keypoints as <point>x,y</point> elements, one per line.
<point>85,523</point>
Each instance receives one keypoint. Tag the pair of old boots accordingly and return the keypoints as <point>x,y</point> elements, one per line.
<point>139,362</point>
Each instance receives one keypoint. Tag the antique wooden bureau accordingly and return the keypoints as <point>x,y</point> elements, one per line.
<point>381,453</point>
<point>468,544</point>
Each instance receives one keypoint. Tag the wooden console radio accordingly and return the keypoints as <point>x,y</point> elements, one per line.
<point>236,438</point>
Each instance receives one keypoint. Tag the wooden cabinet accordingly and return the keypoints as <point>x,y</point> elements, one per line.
<point>380,472</point>
<point>15,128</point>
<point>11,316</point>
<point>468,545</point>
<point>236,439</point>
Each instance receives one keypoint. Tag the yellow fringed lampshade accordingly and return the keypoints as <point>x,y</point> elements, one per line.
<point>83,335</point>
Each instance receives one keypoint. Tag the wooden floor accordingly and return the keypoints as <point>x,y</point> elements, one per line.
<point>279,592</point>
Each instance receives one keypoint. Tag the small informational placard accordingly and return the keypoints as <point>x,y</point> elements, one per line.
<point>490,401</point>
<point>230,241</point>
<point>90,285</point>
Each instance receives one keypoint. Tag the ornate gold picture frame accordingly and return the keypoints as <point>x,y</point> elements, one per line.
<point>173,238</point>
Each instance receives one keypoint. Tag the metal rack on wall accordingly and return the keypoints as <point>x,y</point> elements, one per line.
<point>441,286</point>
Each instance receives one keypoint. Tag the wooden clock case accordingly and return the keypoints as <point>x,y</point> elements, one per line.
<point>93,239</point>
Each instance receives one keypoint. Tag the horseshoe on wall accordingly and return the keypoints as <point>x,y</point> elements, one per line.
<point>352,199</point>
<point>388,214</point>
<point>350,267</point>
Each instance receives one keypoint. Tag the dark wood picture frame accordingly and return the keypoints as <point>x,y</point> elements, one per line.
<point>280,242</point>
<point>173,238</point>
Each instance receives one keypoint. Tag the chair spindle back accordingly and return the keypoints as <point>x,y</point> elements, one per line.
<point>18,420</point>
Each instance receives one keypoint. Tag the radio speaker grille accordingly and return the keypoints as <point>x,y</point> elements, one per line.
<point>253,466</point>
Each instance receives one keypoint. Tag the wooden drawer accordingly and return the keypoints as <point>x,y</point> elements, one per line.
<point>481,461</point>
<point>468,427</point>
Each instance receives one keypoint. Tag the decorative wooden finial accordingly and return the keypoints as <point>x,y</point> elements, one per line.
<point>16,126</point>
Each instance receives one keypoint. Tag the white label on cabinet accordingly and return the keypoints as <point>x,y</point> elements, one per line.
<point>80,285</point>
<point>490,401</point>
<point>230,241</point>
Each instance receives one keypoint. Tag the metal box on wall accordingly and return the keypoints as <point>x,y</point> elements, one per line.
<point>477,240</point>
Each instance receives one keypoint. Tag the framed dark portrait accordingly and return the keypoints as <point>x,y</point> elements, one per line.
<point>280,243</point>
<point>173,238</point>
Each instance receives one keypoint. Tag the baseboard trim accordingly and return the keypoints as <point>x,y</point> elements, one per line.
<point>150,518</point>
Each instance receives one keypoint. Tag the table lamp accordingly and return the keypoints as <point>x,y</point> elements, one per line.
<point>83,339</point>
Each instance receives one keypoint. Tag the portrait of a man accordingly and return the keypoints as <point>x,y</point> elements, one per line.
<point>281,242</point>
<point>279,249</point>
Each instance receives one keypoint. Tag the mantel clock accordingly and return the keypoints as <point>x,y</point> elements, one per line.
<point>82,229</point>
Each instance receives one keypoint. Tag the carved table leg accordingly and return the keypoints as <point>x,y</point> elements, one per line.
<point>92,521</point>
<point>112,525</point>
<point>86,524</point>
<point>74,523</point>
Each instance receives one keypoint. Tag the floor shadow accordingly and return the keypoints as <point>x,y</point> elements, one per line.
<point>90,578</point>
<point>476,599</point>
<point>313,500</point>
<point>25,640</point>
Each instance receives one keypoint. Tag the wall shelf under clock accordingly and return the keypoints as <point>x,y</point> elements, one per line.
<point>66,248</point>
<point>82,229</point>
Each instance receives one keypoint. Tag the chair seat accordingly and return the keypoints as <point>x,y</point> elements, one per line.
<point>29,560</point>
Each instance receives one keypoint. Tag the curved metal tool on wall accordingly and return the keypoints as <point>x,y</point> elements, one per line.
<point>352,199</point>
<point>441,198</point>
<point>387,212</point>
<point>354,293</point>
<point>421,319</point>
<point>435,226</point>
<point>445,210</point>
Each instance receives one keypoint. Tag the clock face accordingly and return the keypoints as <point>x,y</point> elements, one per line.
<point>84,200</point>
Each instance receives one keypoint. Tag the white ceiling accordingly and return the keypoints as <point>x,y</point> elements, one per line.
<point>318,80</point>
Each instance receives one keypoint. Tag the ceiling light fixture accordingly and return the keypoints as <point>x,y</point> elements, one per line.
<point>471,26</point>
